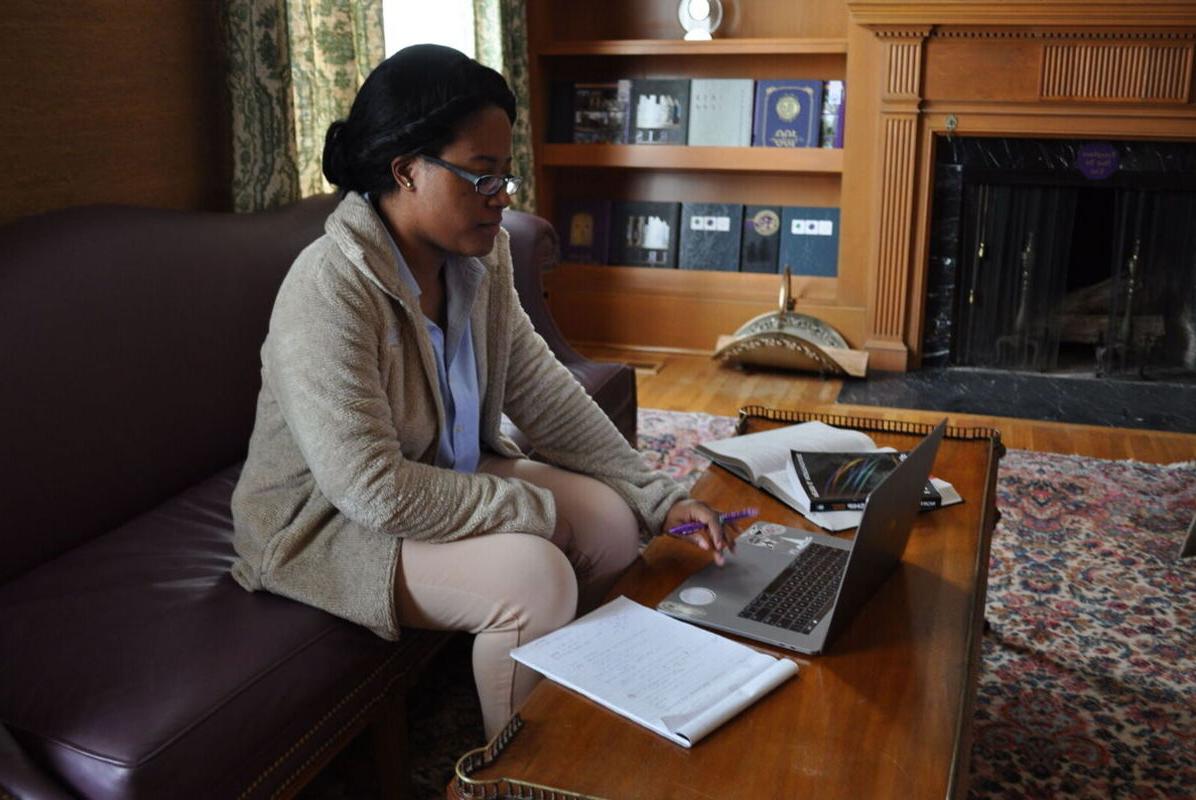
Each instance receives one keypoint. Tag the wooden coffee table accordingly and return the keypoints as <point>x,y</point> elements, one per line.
<point>886,712</point>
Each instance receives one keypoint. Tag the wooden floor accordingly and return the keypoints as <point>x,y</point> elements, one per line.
<point>678,382</point>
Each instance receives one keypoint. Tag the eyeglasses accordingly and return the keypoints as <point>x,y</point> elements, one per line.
<point>488,185</point>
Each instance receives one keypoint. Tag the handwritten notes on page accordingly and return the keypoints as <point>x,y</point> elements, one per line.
<point>671,677</point>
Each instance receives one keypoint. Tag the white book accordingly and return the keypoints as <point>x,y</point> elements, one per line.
<point>675,679</point>
<point>762,459</point>
<point>720,111</point>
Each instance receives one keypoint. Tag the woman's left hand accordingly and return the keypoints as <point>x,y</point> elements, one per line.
<point>715,536</point>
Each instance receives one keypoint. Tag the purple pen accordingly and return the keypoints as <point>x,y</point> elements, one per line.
<point>691,527</point>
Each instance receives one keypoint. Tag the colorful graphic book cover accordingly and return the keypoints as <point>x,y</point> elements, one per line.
<point>600,112</point>
<point>832,119</point>
<point>584,228</point>
<point>761,239</point>
<point>644,234</point>
<point>710,235</point>
<point>788,113</point>
<point>720,111</point>
<point>810,241</point>
<point>843,481</point>
<point>660,111</point>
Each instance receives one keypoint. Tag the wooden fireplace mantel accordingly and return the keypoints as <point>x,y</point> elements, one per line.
<point>1035,68</point>
<point>1115,13</point>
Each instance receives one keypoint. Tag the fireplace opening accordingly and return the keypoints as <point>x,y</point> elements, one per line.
<point>1064,257</point>
<point>1088,285</point>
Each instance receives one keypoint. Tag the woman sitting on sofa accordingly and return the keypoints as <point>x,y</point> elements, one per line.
<point>378,485</point>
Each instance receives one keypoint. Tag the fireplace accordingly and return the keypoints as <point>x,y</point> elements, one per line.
<point>935,76</point>
<point>1062,256</point>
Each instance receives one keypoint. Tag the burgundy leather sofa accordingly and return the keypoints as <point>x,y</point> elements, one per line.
<point>131,664</point>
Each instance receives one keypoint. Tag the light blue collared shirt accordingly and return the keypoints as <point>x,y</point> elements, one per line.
<point>460,446</point>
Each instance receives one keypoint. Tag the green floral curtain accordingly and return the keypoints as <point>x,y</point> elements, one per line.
<point>294,67</point>
<point>500,36</point>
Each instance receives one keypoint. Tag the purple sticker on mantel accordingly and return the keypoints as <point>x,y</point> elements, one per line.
<point>1097,160</point>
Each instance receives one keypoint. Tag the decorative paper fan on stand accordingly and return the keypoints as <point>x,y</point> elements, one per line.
<point>789,340</point>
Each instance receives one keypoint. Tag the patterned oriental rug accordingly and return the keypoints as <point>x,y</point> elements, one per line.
<point>1088,682</point>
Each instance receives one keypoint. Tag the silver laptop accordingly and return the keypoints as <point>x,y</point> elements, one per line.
<point>796,589</point>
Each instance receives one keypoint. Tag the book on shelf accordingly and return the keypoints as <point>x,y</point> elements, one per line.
<point>644,234</point>
<point>584,228</point>
<point>600,112</point>
<point>761,239</point>
<point>841,117</point>
<point>675,679</point>
<point>832,114</point>
<point>763,460</point>
<point>843,481</point>
<point>560,112</point>
<point>710,234</point>
<point>810,241</point>
<point>720,111</point>
<point>787,113</point>
<point>660,111</point>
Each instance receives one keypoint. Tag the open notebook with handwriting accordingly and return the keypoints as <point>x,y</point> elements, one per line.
<point>675,679</point>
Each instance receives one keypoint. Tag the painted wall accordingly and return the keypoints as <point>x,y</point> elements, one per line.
<point>112,101</point>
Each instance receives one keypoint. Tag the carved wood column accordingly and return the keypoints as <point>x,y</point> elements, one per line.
<point>899,108</point>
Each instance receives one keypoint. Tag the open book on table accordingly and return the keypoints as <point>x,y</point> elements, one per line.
<point>675,679</point>
<point>764,460</point>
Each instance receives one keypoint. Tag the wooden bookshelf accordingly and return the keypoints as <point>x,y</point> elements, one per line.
<point>684,309</point>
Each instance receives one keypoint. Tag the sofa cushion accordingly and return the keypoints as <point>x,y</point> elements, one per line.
<point>134,665</point>
<point>131,338</point>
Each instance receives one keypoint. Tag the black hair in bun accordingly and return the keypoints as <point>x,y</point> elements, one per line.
<point>411,103</point>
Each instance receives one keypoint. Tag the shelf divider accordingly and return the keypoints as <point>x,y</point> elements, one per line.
<point>687,157</point>
<point>675,47</point>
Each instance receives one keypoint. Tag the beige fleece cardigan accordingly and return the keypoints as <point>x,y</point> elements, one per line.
<point>340,464</point>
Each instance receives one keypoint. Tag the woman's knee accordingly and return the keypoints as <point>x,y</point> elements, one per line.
<point>542,592</point>
<point>610,531</point>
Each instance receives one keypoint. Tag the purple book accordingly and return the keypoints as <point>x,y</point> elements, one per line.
<point>840,116</point>
<point>788,113</point>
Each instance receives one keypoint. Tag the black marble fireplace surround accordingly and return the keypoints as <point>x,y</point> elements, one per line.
<point>1052,255</point>
<point>1061,284</point>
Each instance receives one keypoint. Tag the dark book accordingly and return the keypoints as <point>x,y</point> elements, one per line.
<point>584,228</point>
<point>660,111</point>
<point>810,241</point>
<point>710,234</point>
<point>600,112</point>
<point>787,114</point>
<point>560,112</point>
<point>761,239</point>
<point>843,481</point>
<point>832,106</point>
<point>720,111</point>
<point>645,234</point>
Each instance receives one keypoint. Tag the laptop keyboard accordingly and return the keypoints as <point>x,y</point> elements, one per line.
<point>802,594</point>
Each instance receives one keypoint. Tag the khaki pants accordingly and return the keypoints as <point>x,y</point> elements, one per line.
<point>511,588</point>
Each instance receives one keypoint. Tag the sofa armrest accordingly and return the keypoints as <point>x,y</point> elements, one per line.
<point>534,248</point>
<point>20,778</point>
